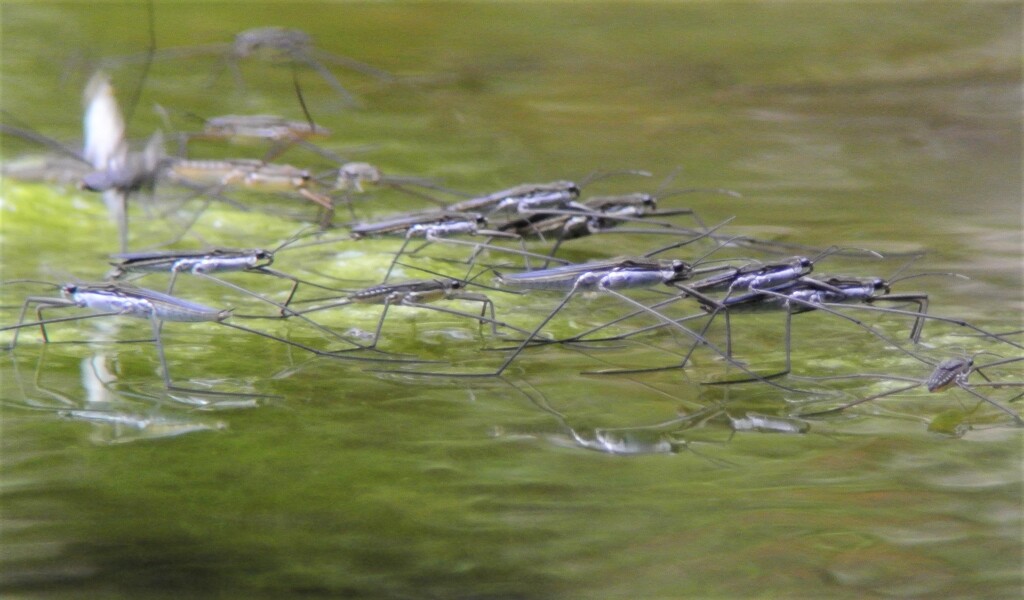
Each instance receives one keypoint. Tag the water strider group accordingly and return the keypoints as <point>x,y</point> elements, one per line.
<point>488,249</point>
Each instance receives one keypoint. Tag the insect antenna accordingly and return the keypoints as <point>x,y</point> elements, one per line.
<point>690,241</point>
<point>599,175</point>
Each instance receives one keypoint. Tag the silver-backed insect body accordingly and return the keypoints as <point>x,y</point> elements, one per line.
<point>524,198</point>
<point>412,292</point>
<point>613,274</point>
<point>140,302</point>
<point>258,127</point>
<point>193,261</point>
<point>755,276</point>
<point>121,299</point>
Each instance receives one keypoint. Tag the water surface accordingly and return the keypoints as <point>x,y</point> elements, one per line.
<point>867,125</point>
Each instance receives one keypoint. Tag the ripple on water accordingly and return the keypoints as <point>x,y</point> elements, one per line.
<point>930,532</point>
<point>976,479</point>
<point>890,572</point>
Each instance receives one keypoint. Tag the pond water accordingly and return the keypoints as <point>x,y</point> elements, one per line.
<point>869,125</point>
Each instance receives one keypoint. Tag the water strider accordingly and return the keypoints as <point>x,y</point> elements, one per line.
<point>251,174</point>
<point>603,214</point>
<point>734,280</point>
<point>432,226</point>
<point>461,224</point>
<point>279,133</point>
<point>530,198</point>
<point>827,295</point>
<point>420,293</point>
<point>207,262</point>
<point>122,299</point>
<point>525,197</point>
<point>242,128</point>
<point>608,277</point>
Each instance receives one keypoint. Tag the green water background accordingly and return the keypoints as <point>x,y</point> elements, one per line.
<point>876,125</point>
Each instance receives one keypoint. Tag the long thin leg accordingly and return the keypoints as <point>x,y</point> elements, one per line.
<point>337,355</point>
<point>826,307</point>
<point>394,261</point>
<point>699,338</point>
<point>480,246</point>
<point>295,281</point>
<point>42,322</point>
<point>704,341</point>
<point>329,77</point>
<point>380,323</point>
<point>285,311</point>
<point>407,190</point>
<point>922,309</point>
<point>508,361</point>
<point>915,314</point>
<point>788,345</point>
<point>838,409</point>
<point>167,375</point>
<point>122,225</point>
<point>482,318</point>
<point>1016,417</point>
<point>353,64</point>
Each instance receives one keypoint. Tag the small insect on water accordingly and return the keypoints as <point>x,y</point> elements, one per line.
<point>296,47</point>
<point>525,197</point>
<point>241,128</point>
<point>432,226</point>
<point>122,299</point>
<point>279,132</point>
<point>255,175</point>
<point>731,279</point>
<point>949,373</point>
<point>603,276</point>
<point>611,276</point>
<point>451,224</point>
<point>206,263</point>
<point>829,294</point>
<point>357,176</point>
<point>420,293</point>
